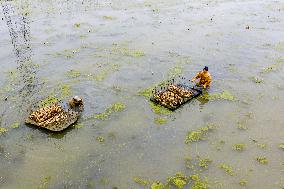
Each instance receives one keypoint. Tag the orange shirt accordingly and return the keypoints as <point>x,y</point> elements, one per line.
<point>205,78</point>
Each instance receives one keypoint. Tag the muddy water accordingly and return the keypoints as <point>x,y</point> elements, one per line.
<point>109,51</point>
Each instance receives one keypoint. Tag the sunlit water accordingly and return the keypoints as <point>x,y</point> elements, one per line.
<point>108,51</point>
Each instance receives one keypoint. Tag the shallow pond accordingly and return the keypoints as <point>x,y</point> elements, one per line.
<point>110,52</point>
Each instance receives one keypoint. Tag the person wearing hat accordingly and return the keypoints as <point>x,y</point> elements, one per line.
<point>205,78</point>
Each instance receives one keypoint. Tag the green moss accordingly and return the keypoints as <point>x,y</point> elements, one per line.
<point>243,182</point>
<point>281,146</point>
<point>100,139</point>
<point>15,125</point>
<point>239,147</point>
<point>225,95</point>
<point>44,183</point>
<point>73,74</point>
<point>262,160</point>
<point>157,185</point>
<point>198,183</point>
<point>2,130</point>
<point>179,180</point>
<point>140,181</point>
<point>228,169</point>
<point>116,107</point>
<point>160,120</point>
<point>199,134</point>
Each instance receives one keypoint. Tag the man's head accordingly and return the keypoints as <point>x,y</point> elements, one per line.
<point>205,68</point>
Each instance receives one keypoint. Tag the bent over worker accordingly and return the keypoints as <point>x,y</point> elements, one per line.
<point>204,76</point>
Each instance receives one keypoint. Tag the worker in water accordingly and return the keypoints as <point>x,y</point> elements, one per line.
<point>204,76</point>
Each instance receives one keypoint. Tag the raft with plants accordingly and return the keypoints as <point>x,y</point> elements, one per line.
<point>173,95</point>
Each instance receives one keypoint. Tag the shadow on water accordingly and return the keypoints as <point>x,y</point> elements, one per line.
<point>19,30</point>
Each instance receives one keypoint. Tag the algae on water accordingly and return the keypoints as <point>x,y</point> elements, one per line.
<point>199,134</point>
<point>160,120</point>
<point>225,95</point>
<point>116,107</point>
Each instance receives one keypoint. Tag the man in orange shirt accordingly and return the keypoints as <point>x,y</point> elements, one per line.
<point>205,78</point>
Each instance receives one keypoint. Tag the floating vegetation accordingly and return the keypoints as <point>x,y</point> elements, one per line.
<point>175,71</point>
<point>199,183</point>
<point>239,147</point>
<point>243,182</point>
<point>100,138</point>
<point>132,53</point>
<point>204,163</point>
<point>157,109</point>
<point>179,180</point>
<point>262,160</point>
<point>256,79</point>
<point>274,67</point>
<point>281,145</point>
<point>199,134</point>
<point>146,92</point>
<point>242,126</point>
<point>140,181</point>
<point>116,107</point>
<point>73,74</point>
<point>228,169</point>
<point>2,130</point>
<point>225,95</point>
<point>109,18</point>
<point>44,183</point>
<point>157,185</point>
<point>49,100</point>
<point>160,120</point>
<point>262,146</point>
<point>77,25</point>
<point>77,126</point>
<point>67,53</point>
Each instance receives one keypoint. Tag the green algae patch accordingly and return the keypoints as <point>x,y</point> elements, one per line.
<point>228,169</point>
<point>146,92</point>
<point>175,71</point>
<point>140,181</point>
<point>65,90</point>
<point>262,160</point>
<point>116,107</point>
<point>44,183</point>
<point>2,130</point>
<point>73,74</point>
<point>198,183</point>
<point>160,121</point>
<point>256,79</point>
<point>100,139</point>
<point>77,25</point>
<point>15,125</point>
<point>179,180</point>
<point>157,185</point>
<point>274,67</point>
<point>109,18</point>
<point>132,53</point>
<point>199,134</point>
<point>157,109</point>
<point>225,95</point>
<point>281,145</point>
<point>243,182</point>
<point>77,126</point>
<point>204,163</point>
<point>239,147</point>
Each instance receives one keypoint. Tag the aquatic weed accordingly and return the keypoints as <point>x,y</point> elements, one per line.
<point>140,181</point>
<point>228,169</point>
<point>239,147</point>
<point>44,183</point>
<point>15,125</point>
<point>160,120</point>
<point>73,73</point>
<point>2,130</point>
<point>116,107</point>
<point>225,95</point>
<point>281,146</point>
<point>199,134</point>
<point>179,180</point>
<point>204,163</point>
<point>100,138</point>
<point>157,185</point>
<point>243,182</point>
<point>262,160</point>
<point>77,126</point>
<point>198,183</point>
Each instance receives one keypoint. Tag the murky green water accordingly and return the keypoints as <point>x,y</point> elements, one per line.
<point>107,51</point>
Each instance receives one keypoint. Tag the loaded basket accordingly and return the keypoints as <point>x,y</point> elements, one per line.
<point>173,96</point>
